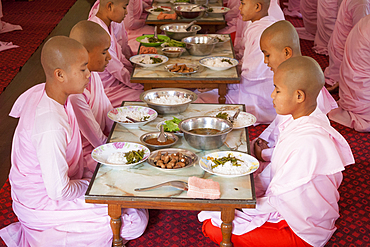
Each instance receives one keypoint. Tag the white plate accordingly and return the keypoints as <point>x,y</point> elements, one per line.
<point>222,37</point>
<point>119,115</point>
<point>196,69</point>
<point>206,59</point>
<point>217,11</point>
<point>166,9</point>
<point>243,120</point>
<point>138,58</point>
<point>251,162</point>
<point>103,152</point>
<point>163,122</point>
<point>174,2</point>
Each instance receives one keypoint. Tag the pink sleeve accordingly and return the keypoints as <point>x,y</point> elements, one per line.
<point>87,123</point>
<point>132,19</point>
<point>51,146</point>
<point>360,11</point>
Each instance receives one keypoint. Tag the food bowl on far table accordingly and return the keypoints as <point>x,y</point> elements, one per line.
<point>217,11</point>
<point>183,98</point>
<point>193,69</point>
<point>139,113</point>
<point>156,10</point>
<point>222,38</point>
<point>149,60</point>
<point>205,132</point>
<point>190,11</point>
<point>177,30</point>
<point>200,45</point>
<point>180,2</point>
<point>218,63</point>
<point>173,51</point>
<point>144,40</point>
<point>150,140</point>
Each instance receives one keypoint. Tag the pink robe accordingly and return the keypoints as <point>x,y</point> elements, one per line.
<point>309,15</point>
<point>48,184</point>
<point>91,109</point>
<point>327,11</point>
<point>256,84</point>
<point>6,27</point>
<point>119,31</point>
<point>135,22</point>
<point>354,82</point>
<point>301,184</point>
<point>116,76</point>
<point>293,8</point>
<point>350,12</point>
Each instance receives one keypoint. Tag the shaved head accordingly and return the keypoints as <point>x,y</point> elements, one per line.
<point>104,2</point>
<point>302,73</point>
<point>282,34</point>
<point>59,52</point>
<point>89,34</point>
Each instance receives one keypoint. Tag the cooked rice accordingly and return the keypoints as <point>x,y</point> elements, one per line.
<point>170,100</point>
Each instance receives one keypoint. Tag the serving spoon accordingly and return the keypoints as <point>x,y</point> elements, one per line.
<point>177,184</point>
<point>155,32</point>
<point>188,27</point>
<point>233,118</point>
<point>162,136</point>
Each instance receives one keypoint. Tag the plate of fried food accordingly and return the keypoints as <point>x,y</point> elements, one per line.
<point>172,159</point>
<point>182,68</point>
<point>156,10</point>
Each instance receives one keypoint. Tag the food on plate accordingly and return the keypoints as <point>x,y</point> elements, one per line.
<point>181,29</point>
<point>148,50</point>
<point>136,115</point>
<point>151,40</point>
<point>182,1</point>
<point>126,158</point>
<point>172,125</point>
<point>174,43</point>
<point>223,115</point>
<point>170,100</point>
<point>192,9</point>
<point>230,165</point>
<point>210,10</point>
<point>181,68</point>
<point>222,161</point>
<point>170,161</point>
<point>218,62</point>
<point>158,9</point>
<point>151,60</point>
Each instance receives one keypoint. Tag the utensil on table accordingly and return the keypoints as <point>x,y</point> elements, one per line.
<point>177,184</point>
<point>233,118</point>
<point>162,136</point>
<point>133,120</point>
<point>188,27</point>
<point>155,32</point>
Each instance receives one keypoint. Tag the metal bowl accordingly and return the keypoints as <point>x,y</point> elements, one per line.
<point>204,141</point>
<point>149,95</point>
<point>186,11</point>
<point>172,30</point>
<point>200,45</point>
<point>150,135</point>
<point>173,51</point>
<point>191,157</point>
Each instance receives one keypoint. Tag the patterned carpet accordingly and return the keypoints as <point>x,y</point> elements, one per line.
<point>176,228</point>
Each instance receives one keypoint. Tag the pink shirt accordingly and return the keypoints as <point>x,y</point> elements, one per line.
<point>301,184</point>
<point>350,12</point>
<point>308,10</point>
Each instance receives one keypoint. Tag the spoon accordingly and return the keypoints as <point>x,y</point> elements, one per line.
<point>133,120</point>
<point>188,27</point>
<point>232,119</point>
<point>155,32</point>
<point>162,137</point>
<point>177,184</point>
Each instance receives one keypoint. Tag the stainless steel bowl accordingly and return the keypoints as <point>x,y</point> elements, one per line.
<point>149,95</point>
<point>186,11</point>
<point>173,51</point>
<point>201,141</point>
<point>171,30</point>
<point>200,45</point>
<point>150,135</point>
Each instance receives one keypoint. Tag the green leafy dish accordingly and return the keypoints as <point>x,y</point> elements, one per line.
<point>171,126</point>
<point>161,38</point>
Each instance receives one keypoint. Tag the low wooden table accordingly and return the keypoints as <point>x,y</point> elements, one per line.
<point>115,185</point>
<point>158,77</point>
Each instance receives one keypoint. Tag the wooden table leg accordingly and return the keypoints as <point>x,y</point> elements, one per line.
<point>114,211</point>
<point>147,86</point>
<point>222,90</point>
<point>227,217</point>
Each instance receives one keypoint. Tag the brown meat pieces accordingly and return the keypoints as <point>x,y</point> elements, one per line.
<point>181,68</point>
<point>170,161</point>
<point>148,50</point>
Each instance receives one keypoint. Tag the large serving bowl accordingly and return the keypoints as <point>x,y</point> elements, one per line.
<point>167,108</point>
<point>171,138</point>
<point>190,11</point>
<point>176,30</point>
<point>200,45</point>
<point>201,140</point>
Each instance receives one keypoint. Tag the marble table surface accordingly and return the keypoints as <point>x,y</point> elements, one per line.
<point>117,182</point>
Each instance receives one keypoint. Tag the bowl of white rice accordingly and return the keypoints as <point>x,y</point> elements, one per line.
<point>229,164</point>
<point>218,63</point>
<point>126,114</point>
<point>168,100</point>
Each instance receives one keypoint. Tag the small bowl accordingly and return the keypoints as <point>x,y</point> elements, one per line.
<point>163,37</point>
<point>200,45</point>
<point>151,135</point>
<point>175,30</point>
<point>207,61</point>
<point>119,114</point>
<point>173,51</point>
<point>186,11</point>
<point>205,141</point>
<point>138,58</point>
<point>149,95</point>
<point>166,10</point>
<point>190,156</point>
<point>217,11</point>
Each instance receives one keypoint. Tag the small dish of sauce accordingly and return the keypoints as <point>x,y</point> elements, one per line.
<point>154,141</point>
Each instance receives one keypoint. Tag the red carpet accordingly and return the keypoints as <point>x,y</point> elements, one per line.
<point>176,228</point>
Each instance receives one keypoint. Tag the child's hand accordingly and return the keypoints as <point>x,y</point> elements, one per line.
<point>260,145</point>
